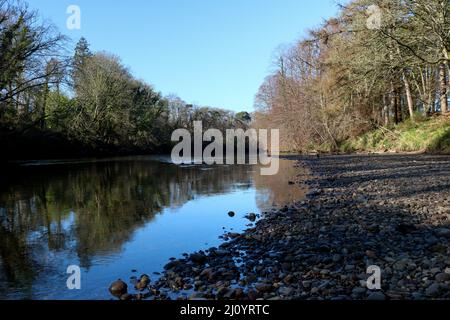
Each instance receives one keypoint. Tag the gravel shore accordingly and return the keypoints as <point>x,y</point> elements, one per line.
<point>390,211</point>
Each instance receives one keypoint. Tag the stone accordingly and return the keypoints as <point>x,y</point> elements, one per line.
<point>436,289</point>
<point>207,273</point>
<point>442,277</point>
<point>118,288</point>
<point>172,265</point>
<point>288,279</point>
<point>198,258</point>
<point>263,287</point>
<point>285,291</point>
<point>224,292</point>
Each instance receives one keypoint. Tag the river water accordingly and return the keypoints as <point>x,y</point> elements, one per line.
<point>119,217</point>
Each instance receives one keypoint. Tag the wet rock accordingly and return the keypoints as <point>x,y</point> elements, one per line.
<point>231,214</point>
<point>143,283</point>
<point>251,216</point>
<point>172,265</point>
<point>118,288</point>
<point>198,258</point>
<point>233,235</point>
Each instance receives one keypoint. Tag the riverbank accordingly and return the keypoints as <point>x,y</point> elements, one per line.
<point>392,211</point>
<point>424,135</point>
<point>35,144</point>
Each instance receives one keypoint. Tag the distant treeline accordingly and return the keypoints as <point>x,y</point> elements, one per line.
<point>378,63</point>
<point>59,103</point>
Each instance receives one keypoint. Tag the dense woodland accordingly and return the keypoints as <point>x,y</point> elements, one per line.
<point>342,80</point>
<point>355,74</point>
<point>87,98</point>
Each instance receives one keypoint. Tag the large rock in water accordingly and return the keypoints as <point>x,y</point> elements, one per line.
<point>118,288</point>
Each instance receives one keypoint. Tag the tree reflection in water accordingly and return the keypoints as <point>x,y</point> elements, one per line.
<point>86,210</point>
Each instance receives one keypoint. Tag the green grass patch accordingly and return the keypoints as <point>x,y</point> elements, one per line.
<point>425,134</point>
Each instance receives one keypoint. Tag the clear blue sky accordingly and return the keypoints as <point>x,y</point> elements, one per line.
<point>208,52</point>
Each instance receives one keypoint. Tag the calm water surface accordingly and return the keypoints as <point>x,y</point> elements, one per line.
<point>113,216</point>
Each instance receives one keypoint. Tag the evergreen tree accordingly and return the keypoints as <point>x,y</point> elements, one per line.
<point>82,53</point>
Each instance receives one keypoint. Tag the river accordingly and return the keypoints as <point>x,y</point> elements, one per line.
<point>115,218</point>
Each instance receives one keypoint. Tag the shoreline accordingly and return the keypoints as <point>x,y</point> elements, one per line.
<point>388,211</point>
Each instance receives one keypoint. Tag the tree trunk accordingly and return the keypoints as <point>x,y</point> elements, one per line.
<point>409,98</point>
<point>443,87</point>
<point>399,105</point>
<point>394,104</point>
<point>385,112</point>
<point>44,106</point>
